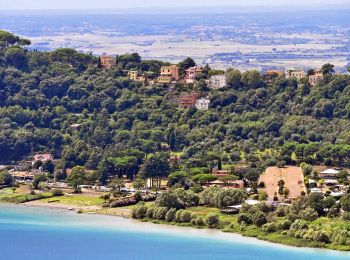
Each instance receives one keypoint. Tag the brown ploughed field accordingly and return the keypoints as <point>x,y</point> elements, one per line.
<point>292,176</point>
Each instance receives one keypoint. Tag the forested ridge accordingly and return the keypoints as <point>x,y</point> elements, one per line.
<point>63,102</point>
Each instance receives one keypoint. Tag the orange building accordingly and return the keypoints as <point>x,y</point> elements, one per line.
<point>189,100</point>
<point>270,75</point>
<point>169,74</point>
<point>108,62</point>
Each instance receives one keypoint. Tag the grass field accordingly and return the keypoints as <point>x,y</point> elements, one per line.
<point>75,200</point>
<point>21,195</point>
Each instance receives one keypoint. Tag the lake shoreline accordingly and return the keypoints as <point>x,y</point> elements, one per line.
<point>83,211</point>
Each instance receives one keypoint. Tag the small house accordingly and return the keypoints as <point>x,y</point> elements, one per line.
<point>329,174</point>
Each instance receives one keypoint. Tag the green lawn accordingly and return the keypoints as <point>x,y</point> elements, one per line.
<point>75,200</point>
<point>148,204</point>
<point>5,192</point>
<point>7,195</point>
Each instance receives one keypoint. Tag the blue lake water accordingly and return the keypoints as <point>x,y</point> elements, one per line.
<point>37,233</point>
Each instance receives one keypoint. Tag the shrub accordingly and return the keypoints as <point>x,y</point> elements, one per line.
<point>122,203</point>
<point>150,212</point>
<point>299,224</point>
<point>263,195</point>
<point>160,213</point>
<point>345,202</point>
<point>329,202</point>
<point>292,217</point>
<point>228,197</point>
<point>140,212</point>
<point>138,196</point>
<point>105,196</point>
<point>193,220</point>
<point>284,224</point>
<point>57,192</point>
<point>220,198</point>
<point>321,236</point>
<point>148,197</point>
<point>200,222</point>
<point>245,218</point>
<point>315,201</point>
<point>169,200</point>
<point>263,207</point>
<point>346,216</point>
<point>269,227</point>
<point>178,215</point>
<point>281,211</point>
<point>186,216</point>
<point>334,212</point>
<point>259,219</point>
<point>254,197</point>
<point>170,215</point>
<point>43,186</point>
<point>309,214</point>
<point>212,220</point>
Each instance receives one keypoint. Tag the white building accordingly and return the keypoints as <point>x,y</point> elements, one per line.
<point>295,73</point>
<point>329,174</point>
<point>202,104</point>
<point>217,81</point>
<point>316,78</point>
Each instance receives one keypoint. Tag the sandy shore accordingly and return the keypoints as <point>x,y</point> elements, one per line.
<point>125,213</point>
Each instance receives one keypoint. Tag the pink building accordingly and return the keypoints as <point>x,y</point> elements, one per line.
<point>43,157</point>
<point>191,74</point>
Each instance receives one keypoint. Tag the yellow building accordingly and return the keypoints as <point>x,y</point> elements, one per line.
<point>133,74</point>
<point>169,74</point>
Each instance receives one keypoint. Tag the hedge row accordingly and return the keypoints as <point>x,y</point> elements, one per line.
<point>173,215</point>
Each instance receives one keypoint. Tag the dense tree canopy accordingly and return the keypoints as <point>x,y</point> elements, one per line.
<point>62,102</point>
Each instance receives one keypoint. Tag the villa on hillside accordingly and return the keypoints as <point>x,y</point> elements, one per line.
<point>270,75</point>
<point>315,78</point>
<point>191,74</point>
<point>202,104</point>
<point>108,62</point>
<point>217,81</point>
<point>295,73</point>
<point>169,74</point>
<point>134,75</point>
<point>44,157</point>
<point>189,100</point>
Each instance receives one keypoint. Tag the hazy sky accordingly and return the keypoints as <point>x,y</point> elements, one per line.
<point>106,4</point>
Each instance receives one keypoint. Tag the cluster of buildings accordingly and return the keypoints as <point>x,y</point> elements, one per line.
<point>168,74</point>
<point>192,100</point>
<point>171,74</point>
<point>26,172</point>
<point>329,184</point>
<point>314,78</point>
